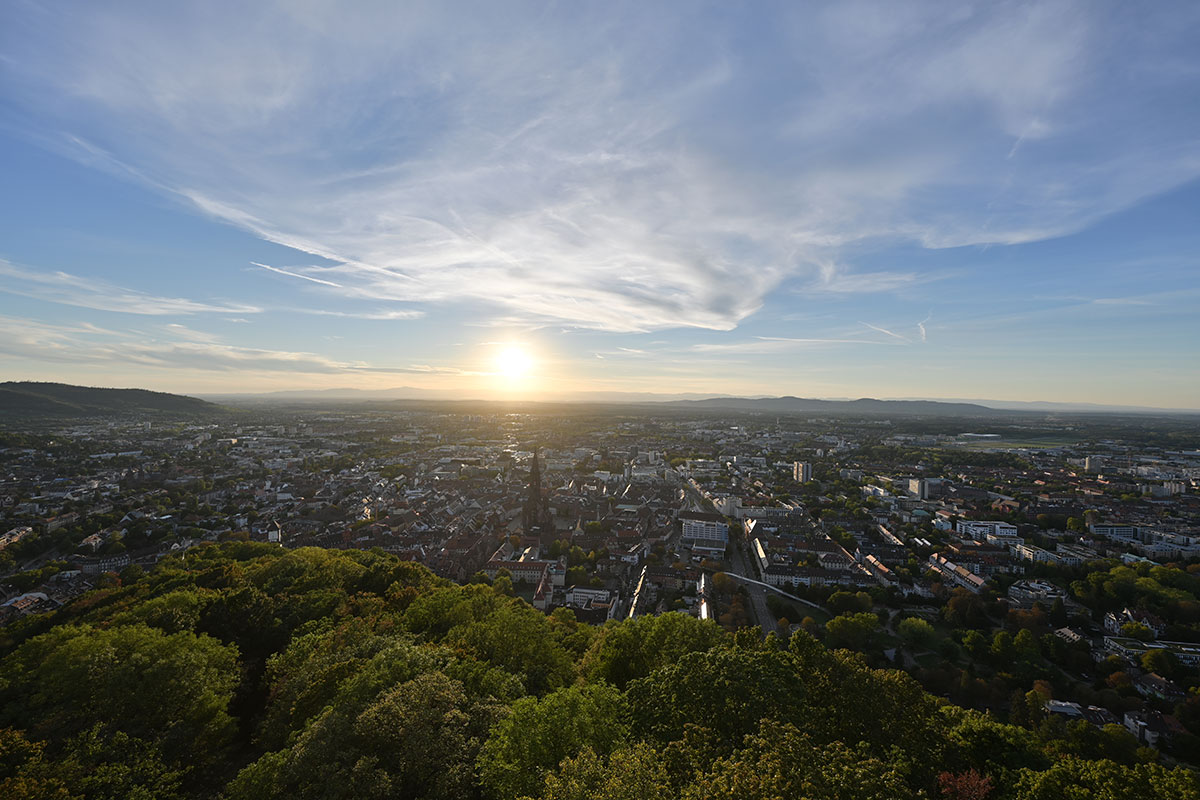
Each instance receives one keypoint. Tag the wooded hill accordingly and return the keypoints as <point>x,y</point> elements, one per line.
<point>245,671</point>
<point>32,400</point>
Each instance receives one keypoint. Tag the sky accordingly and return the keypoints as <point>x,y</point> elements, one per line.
<point>944,200</point>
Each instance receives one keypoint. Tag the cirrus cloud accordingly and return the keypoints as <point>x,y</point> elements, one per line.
<point>625,167</point>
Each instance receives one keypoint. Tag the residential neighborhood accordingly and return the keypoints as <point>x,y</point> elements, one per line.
<point>1057,576</point>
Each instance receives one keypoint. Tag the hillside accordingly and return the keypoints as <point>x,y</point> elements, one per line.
<point>250,672</point>
<point>29,399</point>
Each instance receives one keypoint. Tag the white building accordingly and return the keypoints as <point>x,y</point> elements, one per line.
<point>979,530</point>
<point>1125,533</point>
<point>1029,552</point>
<point>582,596</point>
<point>705,533</point>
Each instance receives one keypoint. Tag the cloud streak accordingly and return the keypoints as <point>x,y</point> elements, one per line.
<point>615,167</point>
<point>776,344</point>
<point>178,349</point>
<point>921,326</point>
<point>100,295</point>
<point>887,332</point>
<point>297,275</point>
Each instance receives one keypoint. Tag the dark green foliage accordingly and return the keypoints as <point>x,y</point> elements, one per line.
<point>418,739</point>
<point>634,648</point>
<point>539,734</point>
<point>634,773</point>
<point>172,690</point>
<point>243,671</point>
<point>726,691</point>
<point>1104,780</point>
<point>781,761</point>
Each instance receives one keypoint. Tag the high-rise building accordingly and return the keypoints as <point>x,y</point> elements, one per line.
<point>802,472</point>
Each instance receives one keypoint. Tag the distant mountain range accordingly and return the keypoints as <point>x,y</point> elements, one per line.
<point>866,405</point>
<point>29,399</point>
<point>698,402</point>
<point>413,393</point>
<point>701,401</point>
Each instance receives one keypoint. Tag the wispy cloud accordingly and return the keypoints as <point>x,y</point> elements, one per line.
<point>921,326</point>
<point>858,283</point>
<point>301,276</point>
<point>177,349</point>
<point>893,334</point>
<point>395,313</point>
<point>94,293</point>
<point>421,369</point>
<point>184,332</point>
<point>775,344</point>
<point>617,169</point>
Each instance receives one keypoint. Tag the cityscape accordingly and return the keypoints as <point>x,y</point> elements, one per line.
<point>1036,567</point>
<point>530,400</point>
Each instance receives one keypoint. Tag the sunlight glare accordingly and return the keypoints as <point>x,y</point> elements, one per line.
<point>513,362</point>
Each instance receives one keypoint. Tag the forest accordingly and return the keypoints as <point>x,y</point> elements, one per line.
<point>242,671</point>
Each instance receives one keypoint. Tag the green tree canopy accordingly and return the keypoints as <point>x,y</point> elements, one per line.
<point>539,733</point>
<point>173,690</point>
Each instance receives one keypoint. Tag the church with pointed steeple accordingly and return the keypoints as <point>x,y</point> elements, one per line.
<point>535,515</point>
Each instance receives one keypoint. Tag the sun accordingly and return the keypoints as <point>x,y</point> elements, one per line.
<point>513,362</point>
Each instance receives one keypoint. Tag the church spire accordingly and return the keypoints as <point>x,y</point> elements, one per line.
<point>536,512</point>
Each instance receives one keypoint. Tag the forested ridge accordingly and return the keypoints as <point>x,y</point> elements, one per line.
<point>31,399</point>
<point>245,671</point>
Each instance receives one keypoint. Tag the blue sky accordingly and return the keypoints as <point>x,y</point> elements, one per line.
<point>993,200</point>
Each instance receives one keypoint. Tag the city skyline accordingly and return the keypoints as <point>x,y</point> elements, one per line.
<point>978,201</point>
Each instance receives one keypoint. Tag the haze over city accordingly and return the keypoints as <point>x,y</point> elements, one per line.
<point>528,200</point>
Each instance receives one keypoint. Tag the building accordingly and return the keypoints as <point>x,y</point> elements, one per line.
<point>1074,555</point>
<point>14,536</point>
<point>1028,592</point>
<point>98,566</point>
<point>955,574</point>
<point>980,529</point>
<point>1113,622</point>
<point>705,534</point>
<point>1070,636</point>
<point>802,471</point>
<point>520,571</point>
<point>880,572</point>
<point>535,513</point>
<point>582,595</point>
<point>1035,554</point>
<point>1147,726</point>
<point>1003,539</point>
<point>591,605</point>
<point>1154,685</point>
<point>982,559</point>
<point>788,575</point>
<point>1187,653</point>
<point>1123,533</point>
<point>1064,709</point>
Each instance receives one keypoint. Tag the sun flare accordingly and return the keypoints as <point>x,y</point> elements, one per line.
<point>513,362</point>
